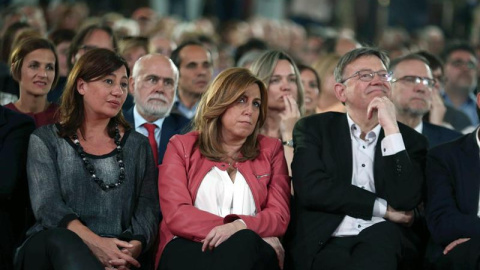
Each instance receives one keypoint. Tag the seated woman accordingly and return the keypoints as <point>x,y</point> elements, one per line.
<point>92,179</point>
<point>34,66</point>
<point>285,97</point>
<point>224,187</point>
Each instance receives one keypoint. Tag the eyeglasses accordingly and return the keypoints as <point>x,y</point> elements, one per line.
<point>368,75</point>
<point>414,80</point>
<point>460,63</point>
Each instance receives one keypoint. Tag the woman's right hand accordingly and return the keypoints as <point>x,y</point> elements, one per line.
<point>277,246</point>
<point>289,117</point>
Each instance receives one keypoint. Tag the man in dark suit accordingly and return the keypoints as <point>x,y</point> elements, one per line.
<point>357,177</point>
<point>453,215</point>
<point>152,84</point>
<point>412,86</point>
<point>15,130</point>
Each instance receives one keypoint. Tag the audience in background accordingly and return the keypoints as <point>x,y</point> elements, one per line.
<point>195,66</point>
<point>311,85</point>
<point>34,65</point>
<point>285,97</point>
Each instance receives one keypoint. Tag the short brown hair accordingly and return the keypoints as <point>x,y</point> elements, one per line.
<point>226,89</point>
<point>25,47</point>
<point>92,66</point>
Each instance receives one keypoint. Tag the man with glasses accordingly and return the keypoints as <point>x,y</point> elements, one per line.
<point>440,113</point>
<point>357,176</point>
<point>152,84</point>
<point>461,79</point>
<point>412,92</point>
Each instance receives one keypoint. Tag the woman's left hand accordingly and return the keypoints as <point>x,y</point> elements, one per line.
<point>221,233</point>
<point>289,117</point>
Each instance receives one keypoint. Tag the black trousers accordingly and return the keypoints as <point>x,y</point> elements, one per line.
<point>380,246</point>
<point>244,250</point>
<point>59,249</point>
<point>464,256</point>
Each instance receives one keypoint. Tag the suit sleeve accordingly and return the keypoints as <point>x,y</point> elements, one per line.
<point>403,174</point>
<point>181,216</point>
<point>318,187</point>
<point>445,220</point>
<point>273,219</point>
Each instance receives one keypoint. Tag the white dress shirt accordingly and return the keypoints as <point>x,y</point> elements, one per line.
<point>221,196</point>
<point>139,121</point>
<point>363,155</point>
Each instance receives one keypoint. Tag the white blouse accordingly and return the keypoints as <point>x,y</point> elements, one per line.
<point>221,196</point>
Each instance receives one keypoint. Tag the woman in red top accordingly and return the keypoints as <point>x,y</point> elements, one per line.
<point>224,188</point>
<point>34,66</point>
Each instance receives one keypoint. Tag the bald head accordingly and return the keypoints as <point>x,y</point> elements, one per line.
<point>152,84</point>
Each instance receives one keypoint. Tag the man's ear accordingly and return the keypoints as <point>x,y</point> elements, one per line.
<point>81,86</point>
<point>131,85</point>
<point>340,92</point>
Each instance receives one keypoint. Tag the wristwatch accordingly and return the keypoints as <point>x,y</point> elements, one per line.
<point>288,143</point>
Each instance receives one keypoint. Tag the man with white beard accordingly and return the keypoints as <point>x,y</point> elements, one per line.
<point>153,84</point>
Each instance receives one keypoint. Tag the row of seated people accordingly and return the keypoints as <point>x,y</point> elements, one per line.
<point>93,182</point>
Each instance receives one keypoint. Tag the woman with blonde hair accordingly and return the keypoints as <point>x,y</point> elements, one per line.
<point>285,97</point>
<point>224,188</point>
<point>327,101</point>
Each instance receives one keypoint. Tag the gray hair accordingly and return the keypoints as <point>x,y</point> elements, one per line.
<point>353,55</point>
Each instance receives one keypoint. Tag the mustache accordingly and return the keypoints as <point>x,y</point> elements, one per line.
<point>158,96</point>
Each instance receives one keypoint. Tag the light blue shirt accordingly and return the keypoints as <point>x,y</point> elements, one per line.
<point>469,107</point>
<point>185,111</point>
<point>139,121</point>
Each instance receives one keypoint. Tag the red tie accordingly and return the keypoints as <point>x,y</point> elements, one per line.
<point>151,138</point>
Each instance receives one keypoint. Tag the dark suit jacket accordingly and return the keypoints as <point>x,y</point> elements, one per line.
<point>15,130</point>
<point>173,124</point>
<point>437,135</point>
<point>453,184</point>
<point>322,180</point>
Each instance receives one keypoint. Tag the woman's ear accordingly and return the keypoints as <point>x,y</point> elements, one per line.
<point>81,86</point>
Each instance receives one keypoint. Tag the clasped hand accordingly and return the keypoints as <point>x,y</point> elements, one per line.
<point>115,253</point>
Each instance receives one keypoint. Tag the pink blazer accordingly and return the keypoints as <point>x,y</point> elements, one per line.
<point>184,168</point>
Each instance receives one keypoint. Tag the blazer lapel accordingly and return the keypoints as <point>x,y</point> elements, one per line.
<point>471,169</point>
<point>167,131</point>
<point>378,164</point>
<point>343,149</point>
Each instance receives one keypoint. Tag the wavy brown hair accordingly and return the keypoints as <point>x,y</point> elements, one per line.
<point>92,66</point>
<point>225,90</point>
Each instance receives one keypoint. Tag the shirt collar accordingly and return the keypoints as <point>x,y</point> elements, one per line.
<point>419,127</point>
<point>478,139</point>
<point>355,131</point>
<point>139,120</point>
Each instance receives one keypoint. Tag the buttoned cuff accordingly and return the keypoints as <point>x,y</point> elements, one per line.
<point>379,207</point>
<point>392,144</point>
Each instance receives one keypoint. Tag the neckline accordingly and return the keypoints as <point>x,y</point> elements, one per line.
<point>110,154</point>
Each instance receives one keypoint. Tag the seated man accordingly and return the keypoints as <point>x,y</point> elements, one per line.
<point>357,176</point>
<point>152,84</point>
<point>412,90</point>
<point>453,216</point>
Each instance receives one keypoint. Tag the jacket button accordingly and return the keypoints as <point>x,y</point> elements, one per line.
<point>320,243</point>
